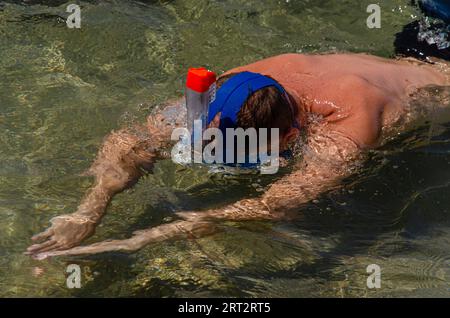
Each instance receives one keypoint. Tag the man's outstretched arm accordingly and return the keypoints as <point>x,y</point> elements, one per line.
<point>329,160</point>
<point>123,158</point>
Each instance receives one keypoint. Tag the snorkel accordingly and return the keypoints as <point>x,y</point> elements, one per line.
<point>231,144</point>
<point>200,92</point>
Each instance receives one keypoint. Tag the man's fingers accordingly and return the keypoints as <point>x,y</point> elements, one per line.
<point>102,247</point>
<point>41,247</point>
<point>53,247</point>
<point>44,255</point>
<point>80,250</point>
<point>44,235</point>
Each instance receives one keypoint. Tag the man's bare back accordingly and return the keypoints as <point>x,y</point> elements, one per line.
<point>355,97</point>
<point>357,94</point>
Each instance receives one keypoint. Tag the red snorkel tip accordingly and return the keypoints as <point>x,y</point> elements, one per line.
<point>200,79</point>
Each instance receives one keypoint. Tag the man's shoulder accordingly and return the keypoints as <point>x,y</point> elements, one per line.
<point>358,109</point>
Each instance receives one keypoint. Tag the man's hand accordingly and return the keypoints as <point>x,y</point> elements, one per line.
<point>127,245</point>
<point>65,232</point>
<point>179,229</point>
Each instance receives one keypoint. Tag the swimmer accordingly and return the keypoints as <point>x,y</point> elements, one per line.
<point>338,105</point>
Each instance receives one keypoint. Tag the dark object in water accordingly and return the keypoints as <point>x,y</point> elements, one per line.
<point>408,43</point>
<point>436,8</point>
<point>429,37</point>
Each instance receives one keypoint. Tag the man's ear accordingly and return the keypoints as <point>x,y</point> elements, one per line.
<point>291,135</point>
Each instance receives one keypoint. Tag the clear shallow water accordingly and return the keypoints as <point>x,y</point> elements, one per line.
<point>62,91</point>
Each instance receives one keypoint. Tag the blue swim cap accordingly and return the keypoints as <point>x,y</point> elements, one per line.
<point>232,95</point>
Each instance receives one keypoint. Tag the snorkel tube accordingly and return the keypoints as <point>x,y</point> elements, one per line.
<point>200,92</point>
<point>204,104</point>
